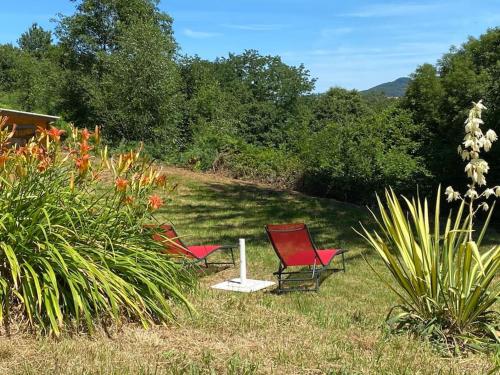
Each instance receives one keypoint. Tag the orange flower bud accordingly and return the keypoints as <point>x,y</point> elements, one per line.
<point>3,159</point>
<point>128,200</point>
<point>161,180</point>
<point>83,164</point>
<point>85,134</point>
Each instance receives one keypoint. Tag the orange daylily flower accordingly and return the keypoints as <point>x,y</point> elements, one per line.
<point>39,152</point>
<point>84,147</point>
<point>121,184</point>
<point>21,150</point>
<point>155,202</point>
<point>55,134</point>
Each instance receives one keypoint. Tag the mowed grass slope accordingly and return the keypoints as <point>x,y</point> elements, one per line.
<point>338,330</point>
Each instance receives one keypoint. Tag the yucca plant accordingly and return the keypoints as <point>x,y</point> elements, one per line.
<point>446,283</point>
<point>73,252</point>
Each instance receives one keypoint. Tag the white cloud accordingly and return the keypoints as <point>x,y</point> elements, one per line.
<point>200,34</point>
<point>255,27</point>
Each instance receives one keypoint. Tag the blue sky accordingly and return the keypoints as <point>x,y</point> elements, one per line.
<point>353,44</point>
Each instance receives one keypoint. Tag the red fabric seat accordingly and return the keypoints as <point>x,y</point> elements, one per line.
<point>309,258</point>
<point>202,251</point>
<point>294,246</point>
<point>172,243</point>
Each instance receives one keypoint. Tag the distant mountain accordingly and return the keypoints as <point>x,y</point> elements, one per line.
<point>395,88</point>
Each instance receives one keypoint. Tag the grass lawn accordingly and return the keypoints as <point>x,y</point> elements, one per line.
<point>336,331</point>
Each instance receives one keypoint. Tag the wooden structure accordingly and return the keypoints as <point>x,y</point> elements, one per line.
<point>26,123</point>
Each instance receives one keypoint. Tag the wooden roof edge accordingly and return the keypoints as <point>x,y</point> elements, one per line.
<point>40,115</point>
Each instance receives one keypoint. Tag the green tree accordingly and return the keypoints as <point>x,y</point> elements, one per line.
<point>438,95</point>
<point>8,59</point>
<point>120,58</point>
<point>35,41</point>
<point>337,105</point>
<point>29,81</point>
<point>207,106</point>
<point>424,95</point>
<point>268,92</point>
<point>37,83</point>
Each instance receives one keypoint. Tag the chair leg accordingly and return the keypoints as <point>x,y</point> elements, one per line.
<point>343,262</point>
<point>280,278</point>
<point>232,257</point>
<point>316,275</point>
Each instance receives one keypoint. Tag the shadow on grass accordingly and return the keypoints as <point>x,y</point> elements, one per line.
<point>222,212</point>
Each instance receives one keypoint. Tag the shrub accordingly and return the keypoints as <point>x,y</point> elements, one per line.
<point>273,166</point>
<point>72,250</point>
<point>217,149</point>
<point>210,144</point>
<point>351,159</point>
<point>446,285</point>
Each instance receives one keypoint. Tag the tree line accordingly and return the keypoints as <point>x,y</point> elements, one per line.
<point>116,63</point>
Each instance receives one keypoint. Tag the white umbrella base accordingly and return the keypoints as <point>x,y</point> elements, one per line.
<point>247,286</point>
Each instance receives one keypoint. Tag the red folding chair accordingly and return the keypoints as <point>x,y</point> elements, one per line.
<point>295,248</point>
<point>166,234</point>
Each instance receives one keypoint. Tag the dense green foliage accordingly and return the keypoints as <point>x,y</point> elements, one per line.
<point>113,75</point>
<point>439,96</point>
<point>249,115</point>
<point>359,154</point>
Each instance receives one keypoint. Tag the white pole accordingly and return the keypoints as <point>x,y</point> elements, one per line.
<point>243,262</point>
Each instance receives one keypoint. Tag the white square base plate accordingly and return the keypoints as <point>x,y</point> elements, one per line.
<point>248,286</point>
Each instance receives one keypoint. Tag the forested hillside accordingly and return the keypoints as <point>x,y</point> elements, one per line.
<point>248,115</point>
<point>394,89</point>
